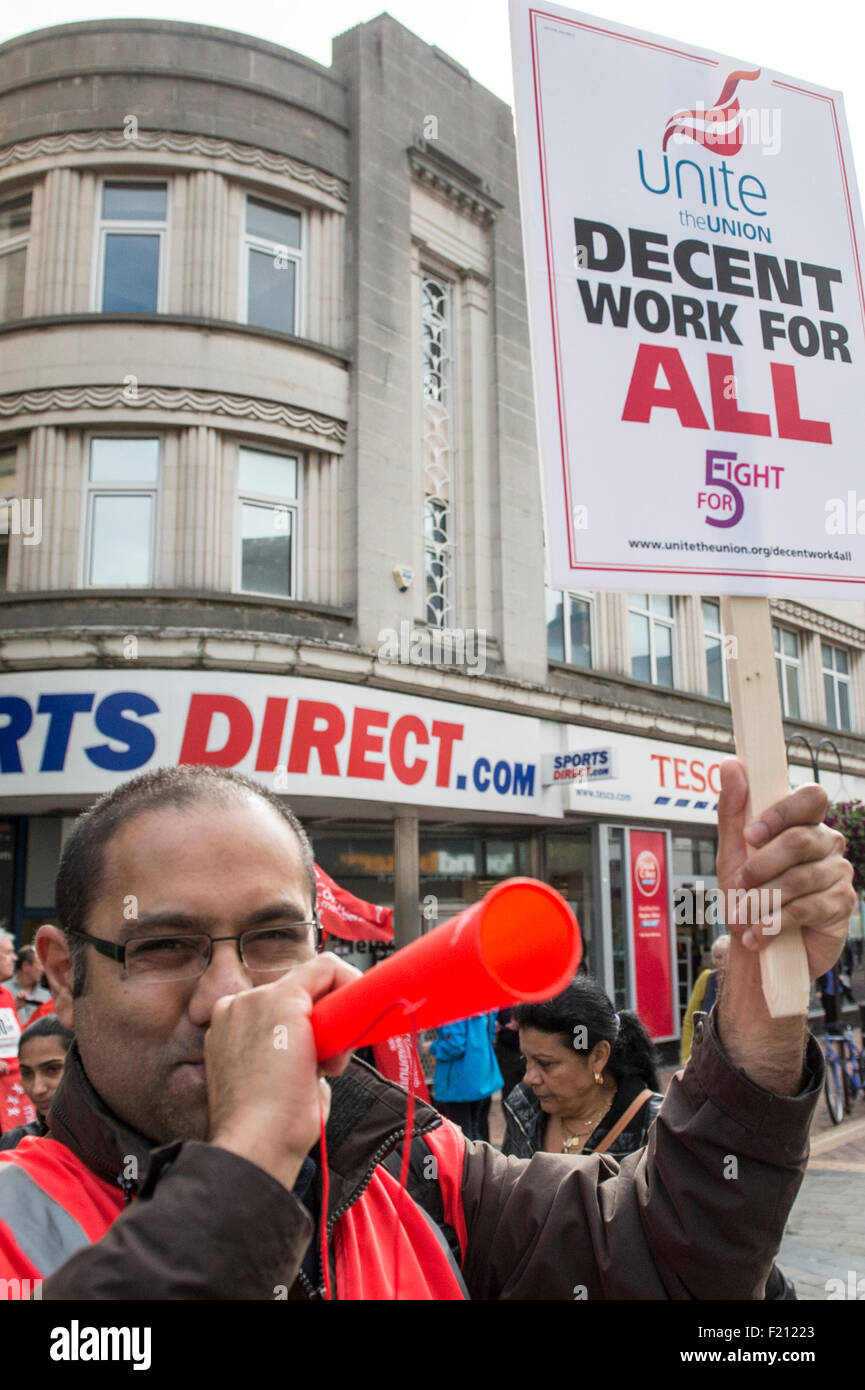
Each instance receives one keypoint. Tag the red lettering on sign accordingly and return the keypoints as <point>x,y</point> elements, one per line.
<point>202,708</point>
<point>790,422</point>
<point>447,735</point>
<point>325,739</point>
<point>679,764</point>
<point>697,773</point>
<point>363,742</point>
<point>726,412</point>
<point>408,773</point>
<point>660,759</point>
<point>271,733</point>
<point>644,395</point>
<point>715,777</point>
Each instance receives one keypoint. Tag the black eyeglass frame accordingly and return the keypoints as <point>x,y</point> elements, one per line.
<point>116,951</point>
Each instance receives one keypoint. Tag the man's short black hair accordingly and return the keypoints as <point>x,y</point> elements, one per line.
<point>82,859</point>
<point>48,1026</point>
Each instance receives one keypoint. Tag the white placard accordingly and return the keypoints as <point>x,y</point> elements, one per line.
<point>691,226</point>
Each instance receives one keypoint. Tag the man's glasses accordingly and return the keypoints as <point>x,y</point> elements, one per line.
<point>264,951</point>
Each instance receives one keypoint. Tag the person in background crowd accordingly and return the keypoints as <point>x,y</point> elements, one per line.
<point>704,993</point>
<point>42,1050</point>
<point>467,1073</point>
<point>15,1109</point>
<point>507,1045</point>
<point>591,1075</point>
<point>832,989</point>
<point>26,985</point>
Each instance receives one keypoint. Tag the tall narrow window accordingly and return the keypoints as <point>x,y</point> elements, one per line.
<point>652,627</point>
<point>131,247</point>
<point>122,484</point>
<point>268,519</point>
<point>716,670</point>
<point>438,451</point>
<point>569,628</point>
<point>272,251</point>
<point>787,665</point>
<point>836,684</point>
<point>14,234</point>
<point>8,489</point>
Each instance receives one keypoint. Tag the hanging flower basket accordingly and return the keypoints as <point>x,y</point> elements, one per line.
<point>849,818</point>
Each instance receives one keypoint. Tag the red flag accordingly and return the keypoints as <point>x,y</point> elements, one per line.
<point>397,1060</point>
<point>351,919</point>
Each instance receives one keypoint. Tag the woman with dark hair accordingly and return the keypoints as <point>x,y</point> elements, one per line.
<point>591,1082</point>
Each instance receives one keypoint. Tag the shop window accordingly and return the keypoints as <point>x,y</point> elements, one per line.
<point>619,925</point>
<point>713,637</point>
<point>787,665</point>
<point>652,625</point>
<point>569,627</point>
<point>268,519</point>
<point>132,233</point>
<point>14,236</point>
<point>43,856</point>
<point>122,488</point>
<point>569,869</point>
<point>836,685</point>
<point>273,257</point>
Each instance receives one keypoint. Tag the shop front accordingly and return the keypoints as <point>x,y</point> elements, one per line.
<point>482,795</point>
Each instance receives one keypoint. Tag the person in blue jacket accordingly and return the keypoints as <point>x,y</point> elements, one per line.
<point>467,1073</point>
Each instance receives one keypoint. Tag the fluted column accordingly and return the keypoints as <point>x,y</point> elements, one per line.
<point>205,241</point>
<point>199,509</point>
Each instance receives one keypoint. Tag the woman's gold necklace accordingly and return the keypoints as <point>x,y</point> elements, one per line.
<point>572,1143</point>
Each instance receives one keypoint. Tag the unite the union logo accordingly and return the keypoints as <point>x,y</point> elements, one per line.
<point>719,127</point>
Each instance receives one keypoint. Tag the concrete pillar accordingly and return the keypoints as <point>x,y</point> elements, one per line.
<point>406,879</point>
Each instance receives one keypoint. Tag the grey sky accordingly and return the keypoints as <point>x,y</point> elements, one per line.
<point>821,43</point>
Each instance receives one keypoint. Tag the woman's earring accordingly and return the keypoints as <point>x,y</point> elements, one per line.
<point>599,1080</point>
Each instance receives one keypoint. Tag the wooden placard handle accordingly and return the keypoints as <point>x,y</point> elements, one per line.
<point>759,732</point>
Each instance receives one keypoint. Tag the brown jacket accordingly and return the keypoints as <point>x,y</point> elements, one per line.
<point>211,1225</point>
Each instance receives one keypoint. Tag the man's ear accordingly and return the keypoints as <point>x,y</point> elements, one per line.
<point>53,951</point>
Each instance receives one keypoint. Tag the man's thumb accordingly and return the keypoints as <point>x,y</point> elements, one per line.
<point>732,817</point>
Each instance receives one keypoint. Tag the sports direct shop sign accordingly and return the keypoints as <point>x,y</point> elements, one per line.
<point>83,732</point>
<point>698,323</point>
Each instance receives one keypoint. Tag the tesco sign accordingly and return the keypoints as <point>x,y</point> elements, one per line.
<point>84,731</point>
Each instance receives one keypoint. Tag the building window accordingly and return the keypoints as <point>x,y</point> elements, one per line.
<point>787,666</point>
<point>438,450</point>
<point>122,485</point>
<point>652,626</point>
<point>272,252</point>
<point>14,234</point>
<point>569,628</point>
<point>268,519</point>
<point>132,236</point>
<point>8,489</point>
<point>713,637</point>
<point>836,684</point>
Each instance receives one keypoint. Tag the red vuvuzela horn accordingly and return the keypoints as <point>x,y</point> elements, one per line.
<point>520,942</point>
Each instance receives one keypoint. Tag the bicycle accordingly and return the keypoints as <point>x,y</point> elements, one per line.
<point>845,1073</point>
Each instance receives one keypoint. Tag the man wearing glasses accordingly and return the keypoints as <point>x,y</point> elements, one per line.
<point>183,1159</point>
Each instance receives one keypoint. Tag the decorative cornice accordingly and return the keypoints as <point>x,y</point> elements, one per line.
<point>174,143</point>
<point>456,185</point>
<point>172,398</point>
<point>816,621</point>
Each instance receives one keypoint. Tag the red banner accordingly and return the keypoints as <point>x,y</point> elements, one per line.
<point>653,972</point>
<point>397,1059</point>
<point>351,919</point>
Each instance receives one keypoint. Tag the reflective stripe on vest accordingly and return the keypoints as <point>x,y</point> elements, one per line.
<point>43,1231</point>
